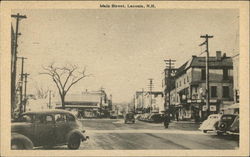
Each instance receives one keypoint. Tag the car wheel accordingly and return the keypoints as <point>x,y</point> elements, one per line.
<point>17,145</point>
<point>205,131</point>
<point>74,142</point>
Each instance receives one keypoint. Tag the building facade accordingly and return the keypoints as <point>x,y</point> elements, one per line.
<point>146,102</point>
<point>189,95</point>
<point>89,104</point>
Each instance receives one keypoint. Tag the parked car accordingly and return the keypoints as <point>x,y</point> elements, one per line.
<point>155,118</point>
<point>129,117</point>
<point>113,115</point>
<point>210,124</point>
<point>46,128</point>
<point>234,127</point>
<point>225,122</point>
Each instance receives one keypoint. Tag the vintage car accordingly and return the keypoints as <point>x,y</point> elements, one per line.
<point>234,128</point>
<point>156,118</point>
<point>225,122</point>
<point>46,128</point>
<point>210,124</point>
<point>129,117</point>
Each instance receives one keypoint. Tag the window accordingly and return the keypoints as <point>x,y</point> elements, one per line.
<point>225,91</point>
<point>180,83</point>
<point>48,119</point>
<point>184,81</point>
<point>187,79</point>
<point>70,118</point>
<point>225,74</point>
<point>60,118</point>
<point>26,118</point>
<point>213,91</point>
<point>177,84</point>
<point>203,74</point>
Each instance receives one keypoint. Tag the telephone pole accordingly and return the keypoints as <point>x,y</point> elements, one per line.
<point>207,71</point>
<point>150,89</point>
<point>13,63</point>
<point>170,65</point>
<point>21,87</point>
<point>25,89</point>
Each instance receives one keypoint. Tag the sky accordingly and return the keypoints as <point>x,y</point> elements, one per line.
<point>122,49</point>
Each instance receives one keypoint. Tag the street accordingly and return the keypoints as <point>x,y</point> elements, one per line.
<point>113,134</point>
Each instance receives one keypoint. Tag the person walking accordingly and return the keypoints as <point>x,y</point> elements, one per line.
<point>166,120</point>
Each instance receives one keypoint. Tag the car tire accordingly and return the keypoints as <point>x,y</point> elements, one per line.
<point>17,145</point>
<point>74,142</point>
<point>205,131</point>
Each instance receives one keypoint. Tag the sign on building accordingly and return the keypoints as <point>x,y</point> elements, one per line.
<point>212,107</point>
<point>204,108</point>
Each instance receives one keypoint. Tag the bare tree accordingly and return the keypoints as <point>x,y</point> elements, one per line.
<point>64,78</point>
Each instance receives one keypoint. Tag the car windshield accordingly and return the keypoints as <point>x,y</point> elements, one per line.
<point>130,115</point>
<point>25,118</point>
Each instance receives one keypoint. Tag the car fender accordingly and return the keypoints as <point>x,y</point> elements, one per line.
<point>25,140</point>
<point>77,132</point>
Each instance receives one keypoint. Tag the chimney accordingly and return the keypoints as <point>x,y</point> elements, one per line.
<point>218,55</point>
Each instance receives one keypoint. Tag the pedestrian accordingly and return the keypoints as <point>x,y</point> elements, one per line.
<point>166,121</point>
<point>177,116</point>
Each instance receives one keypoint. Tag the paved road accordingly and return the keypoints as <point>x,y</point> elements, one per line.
<point>114,134</point>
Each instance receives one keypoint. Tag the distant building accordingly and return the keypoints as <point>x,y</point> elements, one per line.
<point>89,104</point>
<point>146,101</point>
<point>188,95</point>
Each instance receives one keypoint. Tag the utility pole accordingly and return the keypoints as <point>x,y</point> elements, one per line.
<point>21,87</point>
<point>142,98</point>
<point>170,65</point>
<point>49,99</point>
<point>25,89</point>
<point>207,71</point>
<point>13,63</point>
<point>150,89</point>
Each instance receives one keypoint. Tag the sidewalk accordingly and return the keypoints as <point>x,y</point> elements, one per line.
<point>184,125</point>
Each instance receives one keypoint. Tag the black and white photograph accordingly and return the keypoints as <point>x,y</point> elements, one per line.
<point>125,76</point>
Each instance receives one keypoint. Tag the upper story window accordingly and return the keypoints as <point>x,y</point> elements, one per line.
<point>225,92</point>
<point>225,74</point>
<point>180,83</point>
<point>177,84</point>
<point>213,91</point>
<point>184,81</point>
<point>187,79</point>
<point>203,74</point>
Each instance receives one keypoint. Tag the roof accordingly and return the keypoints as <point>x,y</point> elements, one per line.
<point>213,62</point>
<point>200,62</point>
<point>80,103</point>
<point>53,111</point>
<point>84,97</point>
